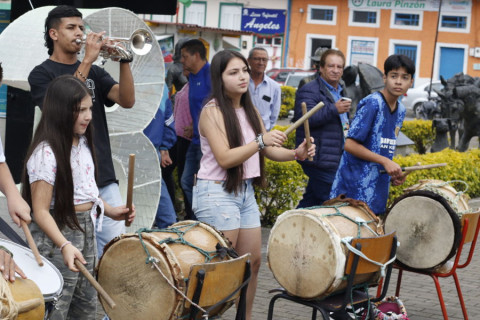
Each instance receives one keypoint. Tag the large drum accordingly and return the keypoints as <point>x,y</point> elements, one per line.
<point>305,251</point>
<point>427,219</point>
<point>139,289</point>
<point>48,279</point>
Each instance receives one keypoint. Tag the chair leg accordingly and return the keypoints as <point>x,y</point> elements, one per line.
<point>271,306</point>
<point>460,296</point>
<point>379,288</point>
<point>440,296</point>
<point>399,282</point>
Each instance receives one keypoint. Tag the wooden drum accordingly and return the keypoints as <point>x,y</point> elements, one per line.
<point>139,290</point>
<point>305,252</point>
<point>427,219</point>
<point>22,297</point>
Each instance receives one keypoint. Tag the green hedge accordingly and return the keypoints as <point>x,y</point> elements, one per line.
<point>460,166</point>
<point>420,132</point>
<point>288,101</point>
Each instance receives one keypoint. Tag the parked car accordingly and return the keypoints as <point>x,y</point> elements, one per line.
<point>281,74</point>
<point>414,97</point>
<point>294,78</point>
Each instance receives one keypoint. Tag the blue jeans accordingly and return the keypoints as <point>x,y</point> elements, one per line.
<point>111,228</point>
<point>192,164</point>
<point>166,215</point>
<point>318,187</point>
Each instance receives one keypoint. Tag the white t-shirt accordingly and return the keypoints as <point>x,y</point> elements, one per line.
<point>2,155</point>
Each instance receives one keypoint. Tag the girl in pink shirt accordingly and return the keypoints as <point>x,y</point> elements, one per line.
<point>234,141</point>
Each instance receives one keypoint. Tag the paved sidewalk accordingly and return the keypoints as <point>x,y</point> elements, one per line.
<point>418,292</point>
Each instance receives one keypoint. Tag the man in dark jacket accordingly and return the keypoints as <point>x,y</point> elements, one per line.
<point>328,126</point>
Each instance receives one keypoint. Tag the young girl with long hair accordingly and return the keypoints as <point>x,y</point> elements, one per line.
<point>234,142</point>
<point>59,184</point>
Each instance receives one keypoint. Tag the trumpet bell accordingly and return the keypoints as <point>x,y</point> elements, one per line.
<point>141,42</point>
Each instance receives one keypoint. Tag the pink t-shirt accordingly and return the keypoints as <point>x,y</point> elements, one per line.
<point>209,168</point>
<point>181,112</point>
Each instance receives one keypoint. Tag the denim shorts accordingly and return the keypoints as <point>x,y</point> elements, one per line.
<point>225,211</point>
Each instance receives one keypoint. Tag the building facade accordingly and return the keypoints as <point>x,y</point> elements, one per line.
<point>369,31</point>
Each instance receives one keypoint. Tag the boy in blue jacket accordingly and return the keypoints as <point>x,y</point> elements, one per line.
<point>161,131</point>
<point>372,139</point>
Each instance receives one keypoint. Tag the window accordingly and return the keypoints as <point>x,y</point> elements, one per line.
<point>269,41</point>
<point>195,13</point>
<point>453,22</point>
<point>364,18</point>
<point>230,16</point>
<point>322,14</point>
<point>406,19</point>
<point>159,17</point>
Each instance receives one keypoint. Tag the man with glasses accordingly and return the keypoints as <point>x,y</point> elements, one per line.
<point>265,92</point>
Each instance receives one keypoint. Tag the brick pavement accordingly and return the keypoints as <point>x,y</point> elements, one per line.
<point>418,291</point>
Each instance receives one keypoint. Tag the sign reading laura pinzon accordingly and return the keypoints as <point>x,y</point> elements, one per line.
<point>263,21</point>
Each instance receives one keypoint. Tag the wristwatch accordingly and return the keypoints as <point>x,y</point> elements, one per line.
<point>259,140</point>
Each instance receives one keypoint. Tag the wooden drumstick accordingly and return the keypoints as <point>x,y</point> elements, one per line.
<point>31,243</point>
<point>306,116</point>
<point>28,305</point>
<point>95,284</point>
<point>307,129</point>
<point>131,174</point>
<point>415,168</point>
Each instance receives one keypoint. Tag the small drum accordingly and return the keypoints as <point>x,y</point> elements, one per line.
<point>427,219</point>
<point>139,290</point>
<point>47,278</point>
<point>305,252</point>
<point>26,298</point>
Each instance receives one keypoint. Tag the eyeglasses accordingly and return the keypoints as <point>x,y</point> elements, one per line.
<point>258,59</point>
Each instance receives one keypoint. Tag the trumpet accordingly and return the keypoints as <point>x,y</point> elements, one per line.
<point>140,43</point>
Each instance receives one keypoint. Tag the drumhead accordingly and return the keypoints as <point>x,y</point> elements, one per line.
<point>428,229</point>
<point>47,278</point>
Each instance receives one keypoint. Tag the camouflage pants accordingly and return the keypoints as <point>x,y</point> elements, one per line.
<point>78,299</point>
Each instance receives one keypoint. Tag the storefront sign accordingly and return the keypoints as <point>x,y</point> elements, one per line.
<point>422,5</point>
<point>263,21</point>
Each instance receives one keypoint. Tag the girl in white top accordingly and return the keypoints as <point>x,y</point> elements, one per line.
<point>234,142</point>
<point>59,184</point>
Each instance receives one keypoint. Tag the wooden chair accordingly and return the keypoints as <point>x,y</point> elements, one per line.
<point>381,249</point>
<point>470,228</point>
<point>215,287</point>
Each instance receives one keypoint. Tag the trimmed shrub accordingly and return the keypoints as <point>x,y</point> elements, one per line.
<point>460,166</point>
<point>288,101</point>
<point>420,132</point>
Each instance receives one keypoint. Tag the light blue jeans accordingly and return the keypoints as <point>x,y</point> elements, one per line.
<point>111,228</point>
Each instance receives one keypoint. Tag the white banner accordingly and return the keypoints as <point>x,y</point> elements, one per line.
<point>463,6</point>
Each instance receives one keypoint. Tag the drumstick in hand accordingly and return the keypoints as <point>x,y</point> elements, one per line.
<point>95,284</point>
<point>307,129</point>
<point>131,173</point>
<point>31,243</point>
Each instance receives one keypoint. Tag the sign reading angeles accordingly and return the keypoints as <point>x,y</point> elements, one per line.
<point>263,21</point>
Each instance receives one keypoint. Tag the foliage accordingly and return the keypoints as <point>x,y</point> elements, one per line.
<point>290,144</point>
<point>420,132</point>
<point>460,166</point>
<point>285,185</point>
<point>288,101</point>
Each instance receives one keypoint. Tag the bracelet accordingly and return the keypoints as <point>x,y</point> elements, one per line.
<point>125,60</point>
<point>81,75</point>
<point>259,140</point>
<point>6,250</point>
<point>63,245</point>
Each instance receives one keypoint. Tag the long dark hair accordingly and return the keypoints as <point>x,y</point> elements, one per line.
<point>61,107</point>
<point>232,125</point>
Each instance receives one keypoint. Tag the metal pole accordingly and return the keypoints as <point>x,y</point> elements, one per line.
<point>434,49</point>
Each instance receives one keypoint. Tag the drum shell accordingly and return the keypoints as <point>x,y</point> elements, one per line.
<point>23,290</point>
<point>427,226</point>
<point>305,253</point>
<point>138,289</point>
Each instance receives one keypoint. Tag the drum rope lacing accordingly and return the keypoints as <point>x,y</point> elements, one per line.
<point>434,187</point>
<point>358,221</point>
<point>209,255</point>
<point>383,266</point>
<point>8,307</point>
